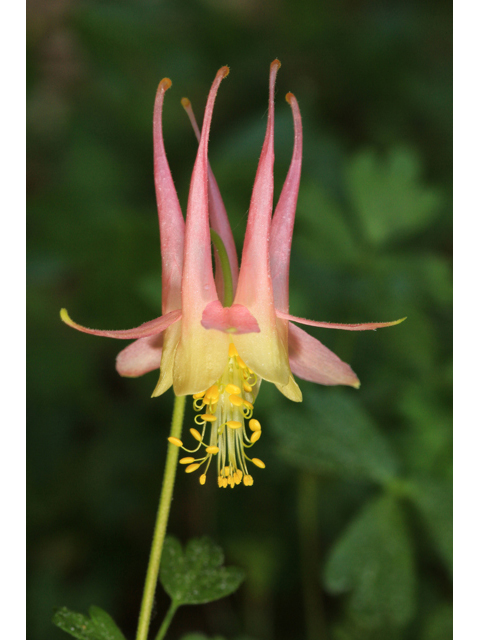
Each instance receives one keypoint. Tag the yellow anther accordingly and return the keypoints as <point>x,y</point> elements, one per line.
<point>231,481</point>
<point>238,477</point>
<point>232,388</point>
<point>241,363</point>
<point>258,463</point>
<point>208,417</point>
<point>196,396</point>
<point>248,404</point>
<point>187,460</point>
<point>226,471</point>
<point>237,401</point>
<point>191,468</point>
<point>247,387</point>
<point>196,434</point>
<point>255,436</point>
<point>212,393</point>
<point>203,478</point>
<point>175,441</point>
<point>233,424</point>
<point>247,481</point>
<point>255,425</point>
<point>213,450</point>
<point>232,352</point>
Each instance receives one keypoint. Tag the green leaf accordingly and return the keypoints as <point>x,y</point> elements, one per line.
<point>332,434</point>
<point>439,624</point>
<point>388,196</point>
<point>100,626</point>
<point>373,561</point>
<point>322,231</point>
<point>196,576</point>
<point>105,624</point>
<point>434,501</point>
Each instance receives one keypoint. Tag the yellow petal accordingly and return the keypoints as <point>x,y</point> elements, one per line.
<point>200,359</point>
<point>170,343</point>
<point>291,390</point>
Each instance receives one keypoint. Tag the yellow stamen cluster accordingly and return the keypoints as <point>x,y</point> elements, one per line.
<point>226,406</point>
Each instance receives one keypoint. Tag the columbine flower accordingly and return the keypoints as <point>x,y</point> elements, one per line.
<point>211,346</point>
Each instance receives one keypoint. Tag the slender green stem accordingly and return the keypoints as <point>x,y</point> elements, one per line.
<point>166,622</point>
<point>225,267</point>
<point>161,523</point>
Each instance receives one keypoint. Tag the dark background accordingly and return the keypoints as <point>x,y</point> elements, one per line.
<point>346,534</point>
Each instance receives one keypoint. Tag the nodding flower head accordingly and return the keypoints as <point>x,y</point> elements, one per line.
<point>220,334</point>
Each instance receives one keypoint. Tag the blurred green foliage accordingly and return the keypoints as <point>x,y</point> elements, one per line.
<point>372,242</point>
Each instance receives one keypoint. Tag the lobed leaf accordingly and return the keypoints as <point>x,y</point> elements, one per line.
<point>373,562</point>
<point>197,576</point>
<point>332,434</point>
<point>100,626</point>
<point>388,196</point>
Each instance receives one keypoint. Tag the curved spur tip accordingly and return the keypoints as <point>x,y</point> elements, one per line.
<point>164,84</point>
<point>223,71</point>
<point>66,318</point>
<point>289,97</point>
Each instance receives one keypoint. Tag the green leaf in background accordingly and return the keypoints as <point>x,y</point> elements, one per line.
<point>373,560</point>
<point>434,501</point>
<point>100,626</point>
<point>322,231</point>
<point>197,576</point>
<point>331,434</point>
<point>439,624</point>
<point>388,196</point>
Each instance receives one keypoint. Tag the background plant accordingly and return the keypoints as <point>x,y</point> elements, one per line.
<point>354,506</point>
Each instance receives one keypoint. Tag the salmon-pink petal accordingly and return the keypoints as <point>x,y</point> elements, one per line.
<point>201,355</point>
<point>254,283</point>
<point>218,216</point>
<point>143,331</point>
<point>198,287</point>
<point>367,326</point>
<point>311,360</point>
<point>235,319</point>
<point>142,356</point>
<point>264,352</point>
<point>284,216</point>
<point>172,225</point>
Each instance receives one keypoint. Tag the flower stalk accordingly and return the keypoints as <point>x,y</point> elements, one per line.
<point>161,522</point>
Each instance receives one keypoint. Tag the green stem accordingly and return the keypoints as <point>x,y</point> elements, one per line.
<point>166,623</point>
<point>225,267</point>
<point>161,523</point>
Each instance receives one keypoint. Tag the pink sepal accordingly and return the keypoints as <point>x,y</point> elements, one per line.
<point>311,360</point>
<point>218,216</point>
<point>172,225</point>
<point>235,319</point>
<point>143,331</point>
<point>281,231</point>
<point>367,326</point>
<point>142,356</point>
